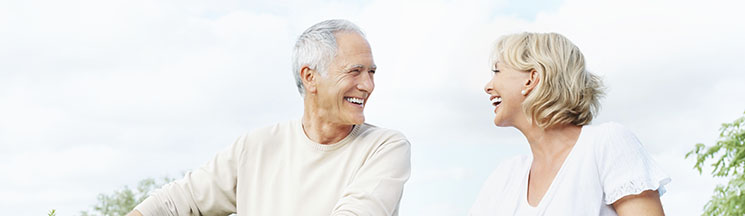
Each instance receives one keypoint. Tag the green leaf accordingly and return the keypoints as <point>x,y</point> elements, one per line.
<point>729,151</point>
<point>123,201</point>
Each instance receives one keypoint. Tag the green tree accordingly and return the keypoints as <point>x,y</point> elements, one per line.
<point>728,155</point>
<point>121,202</point>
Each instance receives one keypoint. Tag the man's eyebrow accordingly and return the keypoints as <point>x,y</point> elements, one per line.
<point>355,66</point>
<point>360,66</point>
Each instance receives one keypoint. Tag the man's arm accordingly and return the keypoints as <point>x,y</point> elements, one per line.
<point>207,190</point>
<point>378,185</point>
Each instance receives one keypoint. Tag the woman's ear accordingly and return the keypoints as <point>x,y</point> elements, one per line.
<point>531,82</point>
<point>308,76</point>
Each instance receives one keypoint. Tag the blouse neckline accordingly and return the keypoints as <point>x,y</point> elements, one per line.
<point>550,190</point>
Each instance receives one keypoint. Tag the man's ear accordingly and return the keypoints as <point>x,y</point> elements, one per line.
<point>532,81</point>
<point>308,76</point>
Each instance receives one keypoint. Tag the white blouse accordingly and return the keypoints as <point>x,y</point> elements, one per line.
<point>607,163</point>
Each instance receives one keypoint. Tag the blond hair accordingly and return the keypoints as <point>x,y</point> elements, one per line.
<point>566,92</point>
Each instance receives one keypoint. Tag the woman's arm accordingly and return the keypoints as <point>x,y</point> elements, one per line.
<point>645,203</point>
<point>134,213</point>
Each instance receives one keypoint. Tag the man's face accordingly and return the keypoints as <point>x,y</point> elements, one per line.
<point>344,90</point>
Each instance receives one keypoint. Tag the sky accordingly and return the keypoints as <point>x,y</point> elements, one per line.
<point>96,95</point>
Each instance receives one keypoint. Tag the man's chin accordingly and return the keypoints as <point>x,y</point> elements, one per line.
<point>357,120</point>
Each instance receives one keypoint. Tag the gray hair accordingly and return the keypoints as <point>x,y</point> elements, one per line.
<point>316,47</point>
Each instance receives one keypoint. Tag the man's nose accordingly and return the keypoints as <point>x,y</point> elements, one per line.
<point>366,83</point>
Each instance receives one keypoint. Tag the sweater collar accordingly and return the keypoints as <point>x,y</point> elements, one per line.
<point>327,147</point>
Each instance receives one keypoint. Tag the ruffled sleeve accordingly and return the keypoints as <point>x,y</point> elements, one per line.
<point>625,167</point>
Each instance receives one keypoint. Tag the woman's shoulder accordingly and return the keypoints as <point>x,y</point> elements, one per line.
<point>609,136</point>
<point>610,128</point>
<point>503,183</point>
<point>511,164</point>
<point>624,165</point>
<point>507,170</point>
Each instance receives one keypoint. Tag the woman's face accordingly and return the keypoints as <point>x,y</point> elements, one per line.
<point>504,90</point>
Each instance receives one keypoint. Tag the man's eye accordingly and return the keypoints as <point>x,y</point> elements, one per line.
<point>371,71</point>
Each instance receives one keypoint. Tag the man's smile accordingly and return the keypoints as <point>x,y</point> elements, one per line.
<point>355,100</point>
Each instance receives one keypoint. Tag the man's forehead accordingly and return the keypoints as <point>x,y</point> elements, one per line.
<point>351,43</point>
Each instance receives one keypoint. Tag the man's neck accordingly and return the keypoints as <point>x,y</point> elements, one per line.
<point>324,132</point>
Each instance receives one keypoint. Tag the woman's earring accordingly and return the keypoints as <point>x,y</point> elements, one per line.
<point>522,92</point>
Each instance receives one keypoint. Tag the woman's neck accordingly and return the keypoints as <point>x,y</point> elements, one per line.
<point>550,144</point>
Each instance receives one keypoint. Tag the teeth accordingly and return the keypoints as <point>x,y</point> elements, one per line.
<point>355,100</point>
<point>496,100</point>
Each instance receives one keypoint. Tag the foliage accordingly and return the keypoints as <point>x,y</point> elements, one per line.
<point>729,160</point>
<point>52,213</point>
<point>121,202</point>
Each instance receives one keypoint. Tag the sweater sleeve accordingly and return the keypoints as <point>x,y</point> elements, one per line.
<point>207,190</point>
<point>378,185</point>
<point>625,167</point>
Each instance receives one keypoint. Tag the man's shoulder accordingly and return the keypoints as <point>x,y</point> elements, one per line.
<point>273,129</point>
<point>267,137</point>
<point>371,130</point>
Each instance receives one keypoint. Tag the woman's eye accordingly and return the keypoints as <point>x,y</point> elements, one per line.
<point>495,70</point>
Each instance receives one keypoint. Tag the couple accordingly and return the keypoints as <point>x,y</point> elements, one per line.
<point>331,162</point>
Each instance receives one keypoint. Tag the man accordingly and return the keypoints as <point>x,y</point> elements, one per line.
<point>328,163</point>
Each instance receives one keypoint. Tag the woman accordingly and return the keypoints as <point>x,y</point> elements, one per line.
<point>540,86</point>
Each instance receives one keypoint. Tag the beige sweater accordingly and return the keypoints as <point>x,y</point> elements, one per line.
<point>277,170</point>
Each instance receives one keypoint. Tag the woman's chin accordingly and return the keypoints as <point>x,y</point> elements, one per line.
<point>498,123</point>
<point>501,123</point>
